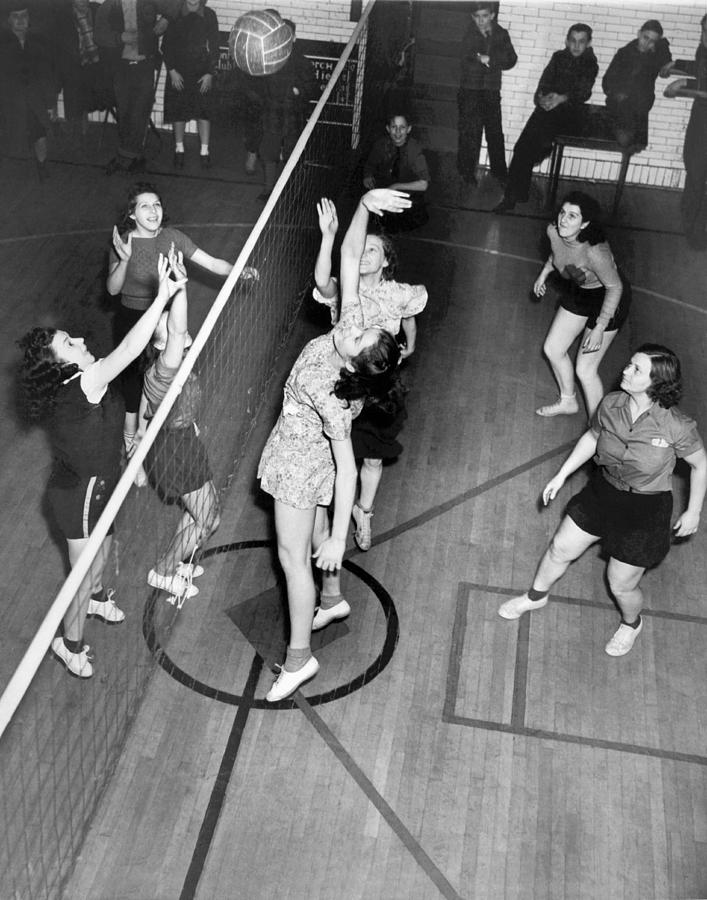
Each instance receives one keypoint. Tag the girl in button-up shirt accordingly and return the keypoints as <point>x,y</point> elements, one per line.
<point>636,437</point>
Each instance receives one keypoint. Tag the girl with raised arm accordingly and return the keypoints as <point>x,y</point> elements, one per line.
<point>69,390</point>
<point>308,460</point>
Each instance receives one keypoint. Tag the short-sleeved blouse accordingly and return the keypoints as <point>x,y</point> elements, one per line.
<point>383,306</point>
<point>141,278</point>
<point>297,466</point>
<point>641,454</point>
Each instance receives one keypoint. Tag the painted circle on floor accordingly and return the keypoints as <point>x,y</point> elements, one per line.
<point>392,632</point>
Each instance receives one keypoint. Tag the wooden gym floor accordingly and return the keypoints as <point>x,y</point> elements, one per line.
<point>441,751</point>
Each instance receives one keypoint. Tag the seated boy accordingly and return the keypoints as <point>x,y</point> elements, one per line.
<point>565,86</point>
<point>629,83</point>
<point>397,161</point>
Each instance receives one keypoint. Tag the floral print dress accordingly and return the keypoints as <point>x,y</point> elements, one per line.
<point>297,466</point>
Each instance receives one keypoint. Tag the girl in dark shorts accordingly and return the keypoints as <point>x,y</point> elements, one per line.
<point>177,464</point>
<point>594,298</point>
<point>636,436</point>
<point>66,387</point>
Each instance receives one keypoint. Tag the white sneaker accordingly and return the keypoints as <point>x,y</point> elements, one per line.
<point>76,664</point>
<point>177,585</point>
<point>623,639</point>
<point>516,606</point>
<point>189,570</point>
<point>362,520</point>
<point>107,610</point>
<point>251,161</point>
<point>288,682</point>
<point>567,405</point>
<point>322,617</point>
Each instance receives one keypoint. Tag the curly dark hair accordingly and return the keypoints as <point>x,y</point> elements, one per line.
<point>591,212</point>
<point>375,378</point>
<point>125,223</point>
<point>40,373</point>
<point>666,375</point>
<point>391,254</point>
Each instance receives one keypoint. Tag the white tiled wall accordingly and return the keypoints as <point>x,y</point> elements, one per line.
<point>538,29</point>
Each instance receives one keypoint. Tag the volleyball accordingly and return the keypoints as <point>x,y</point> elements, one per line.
<point>260,42</point>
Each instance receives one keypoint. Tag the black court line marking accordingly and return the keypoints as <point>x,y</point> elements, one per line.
<point>392,633</point>
<point>441,508</point>
<point>433,872</point>
<point>218,792</point>
<point>517,724</point>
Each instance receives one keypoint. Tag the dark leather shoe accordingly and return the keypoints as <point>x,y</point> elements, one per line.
<point>178,160</point>
<point>205,161</point>
<point>506,205</point>
<point>137,166</point>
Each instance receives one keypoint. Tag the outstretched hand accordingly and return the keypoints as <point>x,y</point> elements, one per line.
<point>381,200</point>
<point>328,220</point>
<point>124,248</point>
<point>176,263</point>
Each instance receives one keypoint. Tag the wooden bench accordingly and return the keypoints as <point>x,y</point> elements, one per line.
<point>595,133</point>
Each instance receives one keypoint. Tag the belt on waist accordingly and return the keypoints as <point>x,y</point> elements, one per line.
<point>622,486</point>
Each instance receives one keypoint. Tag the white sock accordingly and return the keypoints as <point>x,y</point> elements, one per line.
<point>204,149</point>
<point>179,146</point>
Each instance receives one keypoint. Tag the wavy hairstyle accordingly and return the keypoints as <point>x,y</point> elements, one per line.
<point>666,375</point>
<point>375,378</point>
<point>125,223</point>
<point>591,212</point>
<point>391,254</point>
<point>41,373</point>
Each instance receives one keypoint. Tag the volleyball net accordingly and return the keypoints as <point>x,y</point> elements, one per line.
<point>60,737</point>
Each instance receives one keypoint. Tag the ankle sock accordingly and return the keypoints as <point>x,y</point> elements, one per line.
<point>179,146</point>
<point>536,595</point>
<point>296,658</point>
<point>73,646</point>
<point>326,601</point>
<point>631,624</point>
<point>204,150</point>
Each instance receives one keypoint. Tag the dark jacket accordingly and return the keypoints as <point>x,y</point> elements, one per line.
<point>631,75</point>
<point>566,74</point>
<point>27,82</point>
<point>475,76</point>
<point>109,27</point>
<point>191,44</point>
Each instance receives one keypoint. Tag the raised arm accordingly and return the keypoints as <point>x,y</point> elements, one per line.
<point>177,318</point>
<point>118,268</point>
<point>377,201</point>
<point>137,338</point>
<point>328,225</point>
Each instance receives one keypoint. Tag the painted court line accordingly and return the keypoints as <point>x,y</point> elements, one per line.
<point>517,724</point>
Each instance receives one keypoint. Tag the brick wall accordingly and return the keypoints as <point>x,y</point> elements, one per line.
<point>538,29</point>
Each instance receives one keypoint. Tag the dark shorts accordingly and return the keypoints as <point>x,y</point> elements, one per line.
<point>634,528</point>
<point>588,301</point>
<point>177,463</point>
<point>374,434</point>
<point>77,509</point>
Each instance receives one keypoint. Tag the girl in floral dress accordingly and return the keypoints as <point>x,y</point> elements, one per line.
<point>308,459</point>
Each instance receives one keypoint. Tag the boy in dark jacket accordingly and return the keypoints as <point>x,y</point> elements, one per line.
<point>564,87</point>
<point>629,83</point>
<point>486,52</point>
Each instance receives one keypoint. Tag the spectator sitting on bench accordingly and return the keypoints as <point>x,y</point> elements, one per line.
<point>629,84</point>
<point>564,87</point>
<point>397,162</point>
